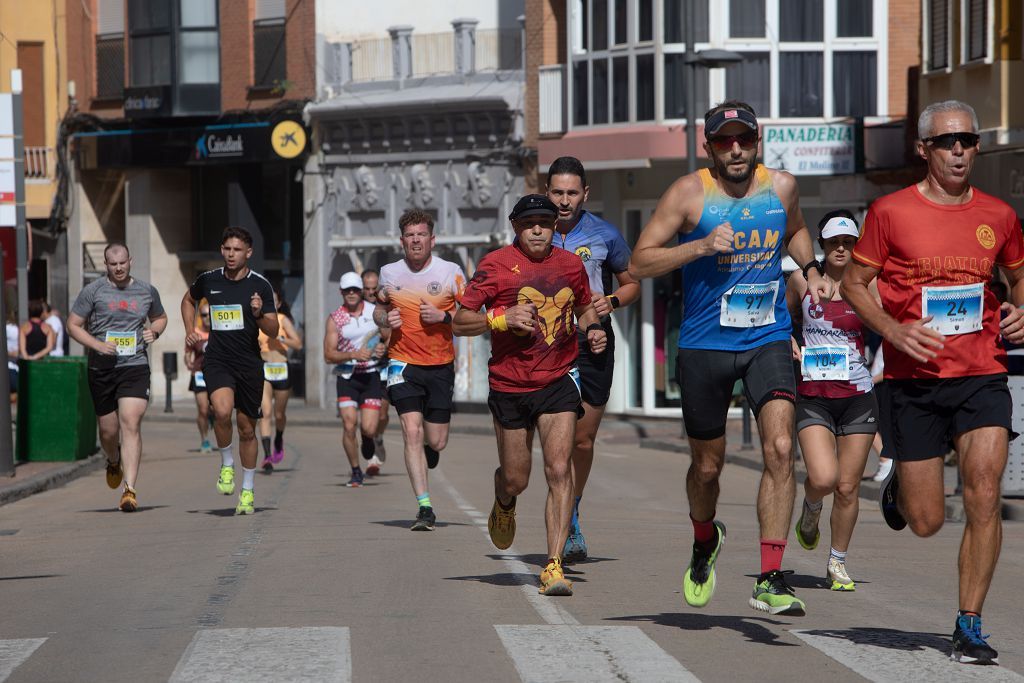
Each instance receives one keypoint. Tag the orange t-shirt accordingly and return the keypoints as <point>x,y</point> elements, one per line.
<point>441,284</point>
<point>917,243</point>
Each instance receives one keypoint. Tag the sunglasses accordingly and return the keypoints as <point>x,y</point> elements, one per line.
<point>949,140</point>
<point>725,142</point>
<point>352,290</point>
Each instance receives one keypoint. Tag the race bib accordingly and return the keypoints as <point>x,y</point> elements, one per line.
<point>956,310</point>
<point>226,318</point>
<point>275,372</point>
<point>126,342</point>
<point>200,380</point>
<point>818,363</point>
<point>395,370</point>
<point>749,305</point>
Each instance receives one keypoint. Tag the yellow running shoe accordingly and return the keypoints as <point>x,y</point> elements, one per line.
<point>838,578</point>
<point>245,503</point>
<point>128,502</point>
<point>553,581</point>
<point>226,480</point>
<point>501,525</point>
<point>114,473</point>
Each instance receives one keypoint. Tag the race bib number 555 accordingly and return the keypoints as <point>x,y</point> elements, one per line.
<point>125,342</point>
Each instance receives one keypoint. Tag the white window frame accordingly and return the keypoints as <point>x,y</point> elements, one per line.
<point>965,32</point>
<point>926,35</point>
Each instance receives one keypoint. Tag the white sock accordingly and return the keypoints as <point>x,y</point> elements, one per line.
<point>248,478</point>
<point>841,556</point>
<point>227,458</point>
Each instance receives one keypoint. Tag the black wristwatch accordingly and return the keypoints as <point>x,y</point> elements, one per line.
<point>614,301</point>
<point>813,264</point>
<point>595,326</point>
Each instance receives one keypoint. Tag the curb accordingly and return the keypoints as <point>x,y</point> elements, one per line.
<point>55,478</point>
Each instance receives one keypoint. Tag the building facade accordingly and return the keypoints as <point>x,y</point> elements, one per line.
<point>607,83</point>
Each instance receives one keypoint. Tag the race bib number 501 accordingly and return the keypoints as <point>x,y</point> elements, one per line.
<point>225,318</point>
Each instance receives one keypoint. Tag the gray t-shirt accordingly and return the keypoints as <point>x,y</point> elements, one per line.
<point>118,315</point>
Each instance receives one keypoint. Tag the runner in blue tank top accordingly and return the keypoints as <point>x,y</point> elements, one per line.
<point>605,254</point>
<point>732,222</point>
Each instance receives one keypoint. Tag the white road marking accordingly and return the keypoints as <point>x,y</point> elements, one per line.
<point>885,655</point>
<point>589,654</point>
<point>255,655</point>
<point>14,652</point>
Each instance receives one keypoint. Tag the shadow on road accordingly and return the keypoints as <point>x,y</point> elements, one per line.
<point>406,523</point>
<point>30,576</point>
<point>750,628</point>
<point>540,561</point>
<point>503,579</point>
<point>141,508</point>
<point>888,638</point>
<point>225,512</point>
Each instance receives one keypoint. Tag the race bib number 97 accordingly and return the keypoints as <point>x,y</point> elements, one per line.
<point>955,310</point>
<point>225,318</point>
<point>749,305</point>
<point>818,363</point>
<point>126,342</point>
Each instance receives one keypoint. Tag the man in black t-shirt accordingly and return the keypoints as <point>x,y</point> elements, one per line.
<point>241,305</point>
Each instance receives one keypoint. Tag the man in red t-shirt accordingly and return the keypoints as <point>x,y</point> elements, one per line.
<point>933,247</point>
<point>532,294</point>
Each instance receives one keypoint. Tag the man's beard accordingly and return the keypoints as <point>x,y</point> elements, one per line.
<point>743,176</point>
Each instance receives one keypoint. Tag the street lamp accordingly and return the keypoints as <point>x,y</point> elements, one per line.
<point>711,59</point>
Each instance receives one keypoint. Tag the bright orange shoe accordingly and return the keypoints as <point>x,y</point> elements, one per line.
<point>553,581</point>
<point>114,474</point>
<point>128,502</point>
<point>501,525</point>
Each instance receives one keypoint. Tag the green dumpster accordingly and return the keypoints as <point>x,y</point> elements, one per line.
<point>56,420</point>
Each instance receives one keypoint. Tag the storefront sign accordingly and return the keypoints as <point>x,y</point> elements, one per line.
<point>147,101</point>
<point>810,149</point>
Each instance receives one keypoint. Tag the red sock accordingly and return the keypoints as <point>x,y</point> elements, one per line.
<point>703,532</point>
<point>771,554</point>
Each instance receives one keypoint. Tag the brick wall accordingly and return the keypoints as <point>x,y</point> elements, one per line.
<point>904,56</point>
<point>545,44</point>
<point>81,59</point>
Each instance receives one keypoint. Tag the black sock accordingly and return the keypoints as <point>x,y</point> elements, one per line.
<point>278,439</point>
<point>367,448</point>
<point>266,446</point>
<point>357,470</point>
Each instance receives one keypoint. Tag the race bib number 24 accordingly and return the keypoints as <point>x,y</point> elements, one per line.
<point>955,310</point>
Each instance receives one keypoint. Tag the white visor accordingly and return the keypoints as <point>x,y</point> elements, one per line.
<point>839,225</point>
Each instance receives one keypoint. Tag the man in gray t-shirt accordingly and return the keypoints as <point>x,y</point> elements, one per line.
<point>109,319</point>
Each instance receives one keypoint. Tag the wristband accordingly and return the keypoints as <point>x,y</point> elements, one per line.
<point>813,264</point>
<point>447,320</point>
<point>614,301</point>
<point>156,335</point>
<point>594,326</point>
<point>496,319</point>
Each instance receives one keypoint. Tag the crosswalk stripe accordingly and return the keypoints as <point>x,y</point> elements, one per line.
<point>589,654</point>
<point>255,655</point>
<point>887,655</point>
<point>14,652</point>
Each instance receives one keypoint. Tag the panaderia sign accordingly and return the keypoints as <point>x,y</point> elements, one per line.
<point>810,149</point>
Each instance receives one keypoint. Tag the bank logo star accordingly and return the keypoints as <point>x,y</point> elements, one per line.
<point>288,139</point>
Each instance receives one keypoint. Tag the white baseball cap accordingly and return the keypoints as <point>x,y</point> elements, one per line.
<point>839,225</point>
<point>349,280</point>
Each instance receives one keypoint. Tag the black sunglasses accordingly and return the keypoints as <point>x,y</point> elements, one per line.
<point>949,140</point>
<point>725,142</point>
<point>350,290</point>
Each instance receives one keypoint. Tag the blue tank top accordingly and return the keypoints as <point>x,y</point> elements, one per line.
<point>737,301</point>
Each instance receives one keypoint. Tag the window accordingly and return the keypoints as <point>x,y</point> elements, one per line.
<point>675,21</point>
<point>600,91</point>
<point>199,52</point>
<point>150,24</point>
<point>746,19</point>
<point>854,83</point>
<point>938,34</point>
<point>675,88</point>
<point>599,26</point>
<point>269,54</point>
<point>580,94</point>
<point>801,21</point>
<point>110,49</point>
<point>976,29</point>
<point>645,87</point>
<point>621,25</point>
<point>620,89</point>
<point>646,19</point>
<point>854,18</point>
<point>802,72</point>
<point>750,81</point>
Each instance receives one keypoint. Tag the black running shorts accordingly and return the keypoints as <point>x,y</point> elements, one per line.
<point>706,379</point>
<point>841,416</point>
<point>521,410</point>
<point>245,381</point>
<point>928,413</point>
<point>361,390</point>
<point>426,389</point>
<point>596,369</point>
<point>109,384</point>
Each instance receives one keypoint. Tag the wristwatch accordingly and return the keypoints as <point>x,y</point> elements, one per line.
<point>614,301</point>
<point>813,264</point>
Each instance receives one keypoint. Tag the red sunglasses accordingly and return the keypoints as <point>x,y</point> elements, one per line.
<point>725,142</point>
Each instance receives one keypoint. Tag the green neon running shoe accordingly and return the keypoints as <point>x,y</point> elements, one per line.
<point>773,595</point>
<point>699,579</point>
<point>226,480</point>
<point>807,533</point>
<point>245,503</point>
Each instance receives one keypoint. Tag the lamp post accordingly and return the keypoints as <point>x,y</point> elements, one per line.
<point>709,58</point>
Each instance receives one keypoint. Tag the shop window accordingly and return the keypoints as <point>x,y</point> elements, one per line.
<point>854,87</point>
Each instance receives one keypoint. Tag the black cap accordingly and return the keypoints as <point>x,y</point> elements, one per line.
<point>533,205</point>
<point>720,118</point>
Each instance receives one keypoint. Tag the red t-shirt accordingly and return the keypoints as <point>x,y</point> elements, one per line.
<point>917,243</point>
<point>557,284</point>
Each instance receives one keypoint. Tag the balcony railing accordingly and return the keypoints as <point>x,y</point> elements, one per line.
<point>38,163</point>
<point>552,96</point>
<point>434,53</point>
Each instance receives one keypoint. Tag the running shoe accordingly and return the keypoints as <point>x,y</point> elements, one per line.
<point>699,579</point>
<point>128,502</point>
<point>226,480</point>
<point>277,455</point>
<point>888,494</point>
<point>501,525</point>
<point>575,549</point>
<point>356,481</point>
<point>807,533</point>
<point>245,503</point>
<point>840,580</point>
<point>773,595</point>
<point>373,467</point>
<point>969,646</point>
<point>115,475</point>
<point>378,448</point>
<point>205,447</point>
<point>553,581</point>
<point>268,467</point>
<point>432,456</point>
<point>883,470</point>
<point>425,519</point>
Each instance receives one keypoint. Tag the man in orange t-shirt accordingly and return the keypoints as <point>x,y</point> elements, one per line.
<point>933,247</point>
<point>417,297</point>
